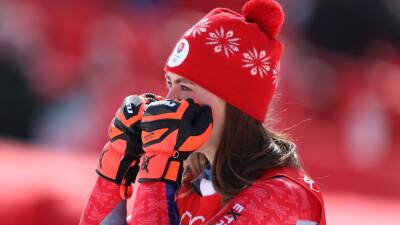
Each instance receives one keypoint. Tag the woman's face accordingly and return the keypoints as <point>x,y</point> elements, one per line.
<point>181,88</point>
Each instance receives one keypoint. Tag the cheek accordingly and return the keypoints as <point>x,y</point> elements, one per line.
<point>219,115</point>
<point>218,111</point>
<point>179,94</point>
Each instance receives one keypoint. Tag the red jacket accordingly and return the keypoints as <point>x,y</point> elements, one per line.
<point>280,196</point>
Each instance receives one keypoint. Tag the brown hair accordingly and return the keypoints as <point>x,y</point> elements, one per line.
<point>247,148</point>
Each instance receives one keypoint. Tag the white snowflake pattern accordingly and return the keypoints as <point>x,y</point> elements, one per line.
<point>257,61</point>
<point>276,71</point>
<point>223,41</point>
<point>198,28</point>
<point>277,68</point>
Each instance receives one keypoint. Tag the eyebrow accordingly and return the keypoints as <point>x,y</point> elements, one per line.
<point>179,80</point>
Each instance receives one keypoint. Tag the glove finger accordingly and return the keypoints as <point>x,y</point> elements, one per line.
<point>131,105</point>
<point>203,118</point>
<point>190,112</point>
<point>150,97</point>
<point>195,127</point>
<point>162,108</point>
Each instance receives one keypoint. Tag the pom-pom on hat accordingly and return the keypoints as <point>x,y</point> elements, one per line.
<point>267,14</point>
<point>234,56</point>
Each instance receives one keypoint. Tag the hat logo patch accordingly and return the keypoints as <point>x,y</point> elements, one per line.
<point>179,54</point>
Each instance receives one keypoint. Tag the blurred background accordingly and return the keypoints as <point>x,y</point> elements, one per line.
<point>65,67</point>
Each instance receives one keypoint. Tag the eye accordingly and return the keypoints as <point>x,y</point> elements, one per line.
<point>168,84</point>
<point>184,88</point>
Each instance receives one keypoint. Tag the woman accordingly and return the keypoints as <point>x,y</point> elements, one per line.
<point>206,157</point>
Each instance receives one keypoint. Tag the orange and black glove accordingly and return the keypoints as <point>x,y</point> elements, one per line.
<point>119,158</point>
<point>171,131</point>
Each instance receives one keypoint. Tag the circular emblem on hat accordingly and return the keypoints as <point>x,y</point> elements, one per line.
<point>179,54</point>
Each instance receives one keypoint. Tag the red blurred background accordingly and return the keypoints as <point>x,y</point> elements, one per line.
<point>65,67</point>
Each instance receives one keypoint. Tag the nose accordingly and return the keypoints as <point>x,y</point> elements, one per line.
<point>173,93</point>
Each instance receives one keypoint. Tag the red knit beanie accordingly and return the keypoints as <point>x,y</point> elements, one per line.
<point>234,56</point>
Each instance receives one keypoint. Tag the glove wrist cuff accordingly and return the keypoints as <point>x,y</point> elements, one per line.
<point>160,167</point>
